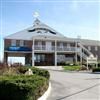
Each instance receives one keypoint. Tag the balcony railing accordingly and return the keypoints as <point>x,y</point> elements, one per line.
<point>42,47</point>
<point>52,48</point>
<point>66,48</point>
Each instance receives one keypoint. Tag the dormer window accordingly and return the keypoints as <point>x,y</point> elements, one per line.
<point>39,32</point>
<point>45,31</point>
<point>42,29</point>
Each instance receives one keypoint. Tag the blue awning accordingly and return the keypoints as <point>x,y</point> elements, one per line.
<point>14,48</point>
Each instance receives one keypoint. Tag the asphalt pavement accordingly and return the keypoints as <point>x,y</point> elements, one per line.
<point>74,86</point>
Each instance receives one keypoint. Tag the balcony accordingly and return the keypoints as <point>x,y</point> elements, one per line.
<point>52,48</point>
<point>43,48</point>
<point>66,48</point>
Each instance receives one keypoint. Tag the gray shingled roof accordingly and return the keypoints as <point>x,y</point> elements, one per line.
<point>40,29</point>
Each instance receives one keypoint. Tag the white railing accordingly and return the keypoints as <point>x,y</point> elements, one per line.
<point>86,53</point>
<point>52,48</point>
<point>43,48</point>
<point>66,48</point>
<point>85,49</point>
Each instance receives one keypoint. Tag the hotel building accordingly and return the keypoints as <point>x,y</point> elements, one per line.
<point>42,45</point>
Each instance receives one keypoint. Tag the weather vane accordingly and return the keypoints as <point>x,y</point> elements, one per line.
<point>36,15</point>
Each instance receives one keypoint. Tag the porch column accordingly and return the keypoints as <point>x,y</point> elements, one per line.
<point>55,53</point>
<point>33,54</point>
<point>76,53</point>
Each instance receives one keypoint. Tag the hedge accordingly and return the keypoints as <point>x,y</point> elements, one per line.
<point>21,87</point>
<point>37,71</point>
<point>72,68</point>
<point>96,69</point>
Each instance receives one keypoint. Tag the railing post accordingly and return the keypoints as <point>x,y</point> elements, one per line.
<point>33,54</point>
<point>55,53</point>
<point>76,53</point>
<point>81,57</point>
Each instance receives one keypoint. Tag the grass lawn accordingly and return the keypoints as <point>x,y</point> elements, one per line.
<point>72,68</point>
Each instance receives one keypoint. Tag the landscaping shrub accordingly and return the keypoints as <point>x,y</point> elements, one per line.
<point>22,70</point>
<point>83,67</point>
<point>40,72</point>
<point>21,87</point>
<point>96,69</point>
<point>35,70</point>
<point>61,63</point>
<point>99,64</point>
<point>15,85</point>
<point>72,68</point>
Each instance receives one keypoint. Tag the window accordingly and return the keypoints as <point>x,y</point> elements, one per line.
<point>39,31</point>
<point>68,45</point>
<point>21,43</point>
<point>39,43</point>
<point>61,45</point>
<point>89,48</point>
<point>13,42</point>
<point>96,48</point>
<point>39,58</point>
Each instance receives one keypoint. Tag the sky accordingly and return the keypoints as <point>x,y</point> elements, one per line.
<point>72,18</point>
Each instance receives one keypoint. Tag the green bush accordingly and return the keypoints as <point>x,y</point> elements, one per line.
<point>15,85</point>
<point>35,70</point>
<point>21,87</point>
<point>72,68</point>
<point>22,70</point>
<point>96,69</point>
<point>40,72</point>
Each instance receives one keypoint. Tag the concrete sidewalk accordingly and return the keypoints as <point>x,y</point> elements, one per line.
<point>55,68</point>
<point>74,86</point>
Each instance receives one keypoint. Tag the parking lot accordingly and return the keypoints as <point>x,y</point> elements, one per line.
<point>74,86</point>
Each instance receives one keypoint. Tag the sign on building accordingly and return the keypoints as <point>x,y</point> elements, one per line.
<point>92,60</point>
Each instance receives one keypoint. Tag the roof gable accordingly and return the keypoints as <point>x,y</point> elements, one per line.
<point>38,28</point>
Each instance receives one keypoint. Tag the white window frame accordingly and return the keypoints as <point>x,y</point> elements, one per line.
<point>39,43</point>
<point>21,42</point>
<point>61,45</point>
<point>68,45</point>
<point>13,42</point>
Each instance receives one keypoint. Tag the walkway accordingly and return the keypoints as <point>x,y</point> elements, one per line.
<point>74,86</point>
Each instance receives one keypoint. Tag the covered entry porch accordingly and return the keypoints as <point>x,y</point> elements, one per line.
<point>10,56</point>
<point>44,59</point>
<point>40,59</point>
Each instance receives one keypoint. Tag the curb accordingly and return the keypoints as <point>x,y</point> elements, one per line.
<point>46,94</point>
<point>55,68</point>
